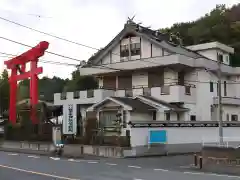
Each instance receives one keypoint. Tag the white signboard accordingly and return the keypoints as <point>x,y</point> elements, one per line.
<point>69,119</point>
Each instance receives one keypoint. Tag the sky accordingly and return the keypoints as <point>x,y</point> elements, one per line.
<point>89,22</point>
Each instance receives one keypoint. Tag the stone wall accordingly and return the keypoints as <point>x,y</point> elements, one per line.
<point>221,159</point>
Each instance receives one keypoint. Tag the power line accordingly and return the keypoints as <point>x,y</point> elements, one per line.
<point>68,64</point>
<point>48,34</point>
<point>52,35</point>
<point>7,55</point>
<point>59,63</point>
<point>67,57</point>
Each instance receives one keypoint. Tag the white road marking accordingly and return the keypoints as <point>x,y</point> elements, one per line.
<point>55,158</point>
<point>34,157</point>
<point>137,179</point>
<point>38,173</point>
<point>161,170</point>
<point>199,173</point>
<point>211,174</point>
<point>92,162</point>
<point>71,160</point>
<point>137,167</point>
<point>111,164</point>
<point>12,154</point>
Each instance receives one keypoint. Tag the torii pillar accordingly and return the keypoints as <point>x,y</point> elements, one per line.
<point>18,64</point>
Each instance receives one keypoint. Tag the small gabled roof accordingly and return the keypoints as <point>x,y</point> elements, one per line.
<point>134,103</point>
<point>159,39</point>
<point>159,102</point>
<point>128,103</point>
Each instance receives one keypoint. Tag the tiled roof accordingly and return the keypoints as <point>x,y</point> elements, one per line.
<point>136,104</point>
<point>164,103</point>
<point>162,39</point>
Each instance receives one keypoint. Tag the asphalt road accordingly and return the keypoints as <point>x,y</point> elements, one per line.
<point>15,166</point>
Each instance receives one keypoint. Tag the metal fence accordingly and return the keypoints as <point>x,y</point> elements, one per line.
<point>227,142</point>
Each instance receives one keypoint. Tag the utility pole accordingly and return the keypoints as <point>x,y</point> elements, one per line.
<point>220,122</point>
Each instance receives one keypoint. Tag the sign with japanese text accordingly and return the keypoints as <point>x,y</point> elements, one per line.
<point>70,119</point>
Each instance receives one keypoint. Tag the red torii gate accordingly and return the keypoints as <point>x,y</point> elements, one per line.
<point>18,64</point>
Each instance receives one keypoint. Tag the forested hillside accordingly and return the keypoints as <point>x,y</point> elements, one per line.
<point>221,24</point>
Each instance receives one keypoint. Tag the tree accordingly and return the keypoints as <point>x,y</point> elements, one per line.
<point>4,91</point>
<point>47,87</point>
<point>79,82</point>
<point>221,24</point>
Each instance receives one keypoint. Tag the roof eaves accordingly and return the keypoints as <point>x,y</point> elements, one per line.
<point>104,50</point>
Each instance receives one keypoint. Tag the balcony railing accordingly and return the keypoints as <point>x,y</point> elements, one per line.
<point>165,90</point>
<point>146,91</point>
<point>90,93</point>
<point>129,93</point>
<point>76,95</point>
<point>63,96</point>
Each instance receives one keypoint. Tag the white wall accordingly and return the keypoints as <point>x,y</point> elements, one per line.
<point>209,53</point>
<point>145,51</point>
<point>231,110</point>
<point>185,135</point>
<point>138,116</point>
<point>204,98</point>
<point>99,94</point>
<point>145,48</point>
<point>170,76</point>
<point>140,79</point>
<point>212,54</point>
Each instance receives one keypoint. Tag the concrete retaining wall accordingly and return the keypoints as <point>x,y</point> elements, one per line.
<point>221,159</point>
<point>164,149</point>
<point>104,151</point>
<point>70,150</point>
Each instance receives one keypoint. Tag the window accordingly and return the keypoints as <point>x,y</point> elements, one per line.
<point>135,49</point>
<point>124,119</point>
<point>227,117</point>
<point>234,117</point>
<point>154,115</point>
<point>188,90</point>
<point>110,54</point>
<point>124,52</point>
<point>178,117</point>
<point>167,116</point>
<point>151,50</point>
<point>192,118</point>
<point>227,59</point>
<point>225,88</point>
<point>220,57</point>
<point>211,86</point>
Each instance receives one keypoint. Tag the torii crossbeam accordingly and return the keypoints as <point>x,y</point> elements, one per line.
<point>18,64</point>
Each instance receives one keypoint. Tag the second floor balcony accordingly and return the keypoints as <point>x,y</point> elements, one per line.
<point>170,93</point>
<point>82,97</point>
<point>227,101</point>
